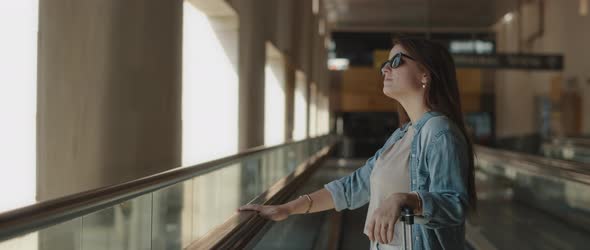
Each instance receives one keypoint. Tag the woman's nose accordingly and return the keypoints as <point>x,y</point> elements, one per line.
<point>385,69</point>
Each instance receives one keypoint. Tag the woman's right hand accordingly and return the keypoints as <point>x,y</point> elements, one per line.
<point>275,213</point>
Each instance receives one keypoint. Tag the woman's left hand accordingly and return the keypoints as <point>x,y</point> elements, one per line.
<point>382,223</point>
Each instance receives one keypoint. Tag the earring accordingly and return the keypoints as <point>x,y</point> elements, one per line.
<point>423,85</point>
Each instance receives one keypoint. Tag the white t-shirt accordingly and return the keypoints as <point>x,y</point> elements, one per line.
<point>391,175</point>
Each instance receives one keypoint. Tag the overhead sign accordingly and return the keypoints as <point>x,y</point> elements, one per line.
<point>510,61</point>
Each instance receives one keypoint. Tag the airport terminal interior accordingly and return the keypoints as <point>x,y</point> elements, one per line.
<point>146,124</point>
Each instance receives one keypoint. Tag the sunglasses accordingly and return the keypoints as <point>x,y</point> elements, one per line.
<point>394,62</point>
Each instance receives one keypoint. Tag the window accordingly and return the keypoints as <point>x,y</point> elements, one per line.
<point>18,101</point>
<point>300,126</point>
<point>209,86</point>
<point>274,96</point>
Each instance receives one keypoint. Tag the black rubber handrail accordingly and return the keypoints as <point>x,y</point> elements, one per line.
<point>575,171</point>
<point>583,142</point>
<point>51,212</point>
<point>244,228</point>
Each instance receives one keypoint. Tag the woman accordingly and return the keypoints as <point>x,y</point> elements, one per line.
<point>427,164</point>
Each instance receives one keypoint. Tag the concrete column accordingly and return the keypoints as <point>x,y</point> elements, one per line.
<point>289,99</point>
<point>305,52</point>
<point>109,92</point>
<point>251,73</point>
<point>109,102</point>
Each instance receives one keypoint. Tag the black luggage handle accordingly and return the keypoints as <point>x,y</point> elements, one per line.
<point>407,217</point>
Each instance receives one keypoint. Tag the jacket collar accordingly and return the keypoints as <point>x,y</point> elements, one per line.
<point>427,115</point>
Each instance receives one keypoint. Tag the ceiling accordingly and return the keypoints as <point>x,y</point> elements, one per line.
<point>414,15</point>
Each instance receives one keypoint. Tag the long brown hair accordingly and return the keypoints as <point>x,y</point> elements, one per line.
<point>442,93</point>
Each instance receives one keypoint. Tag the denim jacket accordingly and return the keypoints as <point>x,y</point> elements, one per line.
<point>438,174</point>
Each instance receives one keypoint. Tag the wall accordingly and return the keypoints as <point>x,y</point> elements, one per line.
<point>108,92</point>
<point>516,91</point>
<point>292,27</point>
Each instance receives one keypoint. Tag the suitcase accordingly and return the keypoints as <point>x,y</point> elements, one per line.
<point>407,217</point>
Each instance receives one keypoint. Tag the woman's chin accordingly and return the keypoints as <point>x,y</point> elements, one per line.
<point>389,89</point>
<point>389,92</point>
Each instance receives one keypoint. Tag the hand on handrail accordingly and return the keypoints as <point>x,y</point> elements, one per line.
<point>272,212</point>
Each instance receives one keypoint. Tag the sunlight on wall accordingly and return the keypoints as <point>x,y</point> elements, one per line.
<point>274,96</point>
<point>274,107</point>
<point>300,125</point>
<point>323,115</point>
<point>209,89</point>
<point>313,110</point>
<point>18,107</point>
<point>18,102</point>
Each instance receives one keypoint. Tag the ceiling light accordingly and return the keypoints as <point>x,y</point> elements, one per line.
<point>338,64</point>
<point>315,7</point>
<point>508,17</point>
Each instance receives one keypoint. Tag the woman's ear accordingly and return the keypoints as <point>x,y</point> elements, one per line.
<point>424,79</point>
<point>424,75</point>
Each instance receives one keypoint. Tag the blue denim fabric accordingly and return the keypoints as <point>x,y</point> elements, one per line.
<point>438,173</point>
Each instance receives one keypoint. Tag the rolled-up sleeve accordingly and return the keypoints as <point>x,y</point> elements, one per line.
<point>353,191</point>
<point>445,202</point>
